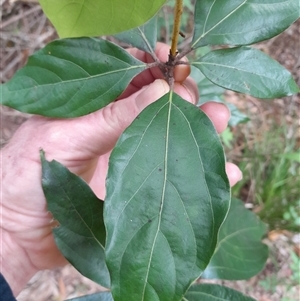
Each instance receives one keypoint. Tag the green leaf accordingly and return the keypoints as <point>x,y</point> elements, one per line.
<point>208,90</point>
<point>211,92</point>
<point>143,37</point>
<point>240,254</point>
<point>80,235</point>
<point>241,22</point>
<point>236,116</point>
<point>214,292</point>
<point>95,18</point>
<point>105,296</point>
<point>227,137</point>
<point>247,70</point>
<point>167,196</point>
<point>70,78</point>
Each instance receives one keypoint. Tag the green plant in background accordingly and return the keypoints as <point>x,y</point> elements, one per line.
<point>295,269</point>
<point>165,20</point>
<point>174,221</point>
<point>269,284</point>
<point>272,175</point>
<point>292,215</point>
<point>272,282</point>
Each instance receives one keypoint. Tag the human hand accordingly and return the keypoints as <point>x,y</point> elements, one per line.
<point>83,145</point>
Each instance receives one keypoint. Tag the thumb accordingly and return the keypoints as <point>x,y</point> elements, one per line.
<point>117,116</point>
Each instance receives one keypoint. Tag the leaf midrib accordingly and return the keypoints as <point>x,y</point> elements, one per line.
<point>142,33</point>
<point>217,24</point>
<point>231,235</point>
<point>208,295</point>
<point>78,79</point>
<point>234,68</point>
<point>79,215</point>
<point>163,192</point>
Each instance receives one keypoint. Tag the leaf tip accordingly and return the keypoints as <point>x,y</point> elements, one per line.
<point>42,154</point>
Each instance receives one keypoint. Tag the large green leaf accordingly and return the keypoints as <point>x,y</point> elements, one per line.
<point>247,70</point>
<point>143,37</point>
<point>241,22</point>
<point>208,90</point>
<point>211,92</point>
<point>167,196</point>
<point>94,297</point>
<point>240,254</point>
<point>214,292</point>
<point>80,235</point>
<point>101,17</point>
<point>70,78</point>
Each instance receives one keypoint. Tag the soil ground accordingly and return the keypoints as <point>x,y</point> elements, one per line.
<point>24,29</point>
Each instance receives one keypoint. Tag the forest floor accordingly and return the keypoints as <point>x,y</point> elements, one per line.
<point>25,29</point>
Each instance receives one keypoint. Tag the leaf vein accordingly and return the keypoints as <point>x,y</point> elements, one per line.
<point>163,191</point>
<point>217,24</point>
<point>203,170</point>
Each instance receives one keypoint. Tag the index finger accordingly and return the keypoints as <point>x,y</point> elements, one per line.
<point>162,50</point>
<point>149,75</point>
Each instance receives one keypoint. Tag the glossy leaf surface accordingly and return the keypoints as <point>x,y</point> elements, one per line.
<point>94,297</point>
<point>95,18</point>
<point>167,195</point>
<point>247,70</point>
<point>143,37</point>
<point>80,235</point>
<point>70,78</point>
<point>240,254</point>
<point>241,22</point>
<point>214,292</point>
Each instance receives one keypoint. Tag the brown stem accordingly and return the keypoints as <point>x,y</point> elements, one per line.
<point>182,63</point>
<point>176,28</point>
<point>154,64</point>
<point>183,53</point>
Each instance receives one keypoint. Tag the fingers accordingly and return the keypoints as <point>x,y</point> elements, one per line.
<point>181,72</point>
<point>112,120</point>
<point>218,113</point>
<point>117,116</point>
<point>234,173</point>
<point>120,114</point>
<point>149,75</point>
<point>188,90</point>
